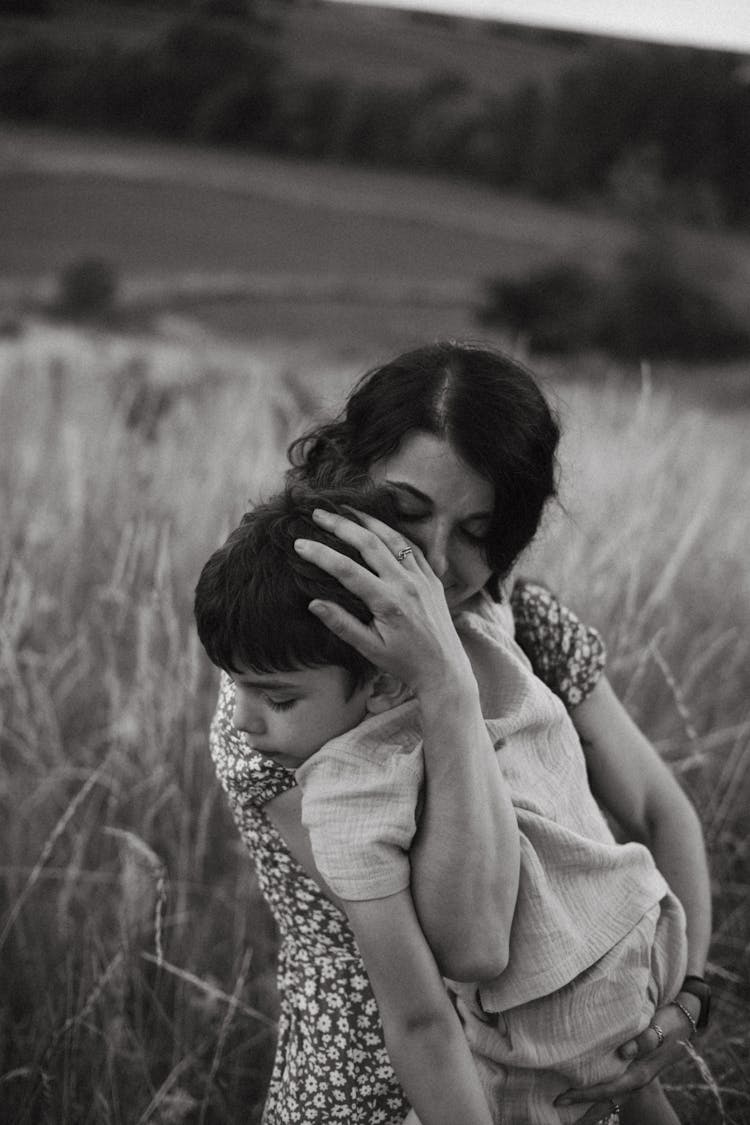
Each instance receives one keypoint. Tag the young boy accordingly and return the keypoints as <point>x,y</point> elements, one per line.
<point>597,939</point>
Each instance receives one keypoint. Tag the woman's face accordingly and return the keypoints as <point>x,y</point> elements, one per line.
<point>445,507</point>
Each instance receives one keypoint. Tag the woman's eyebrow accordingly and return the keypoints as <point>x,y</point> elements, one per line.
<point>403,486</point>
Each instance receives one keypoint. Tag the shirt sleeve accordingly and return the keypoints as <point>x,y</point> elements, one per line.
<point>568,656</point>
<point>360,813</point>
<point>246,776</point>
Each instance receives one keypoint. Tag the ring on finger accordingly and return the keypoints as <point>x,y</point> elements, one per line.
<point>402,554</point>
<point>659,1034</point>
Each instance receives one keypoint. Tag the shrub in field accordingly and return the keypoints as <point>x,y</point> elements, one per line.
<point>648,308</point>
<point>27,7</point>
<point>239,111</point>
<point>199,59</point>
<point>30,70</point>
<point>88,288</point>
<point>377,126</point>
<point>654,309</point>
<point>308,116</point>
<point>555,308</point>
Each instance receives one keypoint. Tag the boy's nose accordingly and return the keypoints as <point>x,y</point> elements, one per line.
<point>246,717</point>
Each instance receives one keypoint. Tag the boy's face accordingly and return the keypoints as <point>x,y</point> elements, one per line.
<point>289,715</point>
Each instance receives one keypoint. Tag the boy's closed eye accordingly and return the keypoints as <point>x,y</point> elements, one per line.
<point>280,704</point>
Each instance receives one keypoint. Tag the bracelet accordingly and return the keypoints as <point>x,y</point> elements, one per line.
<point>687,1015</point>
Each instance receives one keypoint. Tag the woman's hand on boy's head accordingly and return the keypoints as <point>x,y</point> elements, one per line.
<point>411,634</point>
<point>649,1056</point>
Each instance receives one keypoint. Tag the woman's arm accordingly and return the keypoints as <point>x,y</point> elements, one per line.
<point>466,857</point>
<point>425,1042</point>
<point>630,780</point>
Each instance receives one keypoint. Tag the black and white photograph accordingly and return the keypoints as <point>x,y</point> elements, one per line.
<point>374,585</point>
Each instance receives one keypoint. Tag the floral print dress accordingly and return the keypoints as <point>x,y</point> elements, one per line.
<point>331,1063</point>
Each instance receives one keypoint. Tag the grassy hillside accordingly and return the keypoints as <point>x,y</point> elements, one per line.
<point>265,248</point>
<point>136,977</point>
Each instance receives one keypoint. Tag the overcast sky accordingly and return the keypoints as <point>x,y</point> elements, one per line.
<point>707,23</point>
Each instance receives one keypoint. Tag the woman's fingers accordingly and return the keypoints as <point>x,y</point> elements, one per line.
<point>358,579</point>
<point>347,627</point>
<point>393,539</point>
<point>378,544</point>
<point>654,1053</point>
<point>637,1075</point>
<point>645,1044</point>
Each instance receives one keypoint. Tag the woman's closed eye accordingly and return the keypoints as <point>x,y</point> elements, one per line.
<point>411,516</point>
<point>475,533</point>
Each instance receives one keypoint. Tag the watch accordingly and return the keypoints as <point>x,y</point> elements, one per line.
<point>701,989</point>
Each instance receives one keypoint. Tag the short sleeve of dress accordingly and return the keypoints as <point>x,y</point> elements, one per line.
<point>245,775</point>
<point>568,656</point>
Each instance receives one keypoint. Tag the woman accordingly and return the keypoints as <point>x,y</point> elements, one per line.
<point>468,443</point>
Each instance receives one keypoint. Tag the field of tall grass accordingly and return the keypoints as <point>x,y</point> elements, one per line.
<point>136,956</point>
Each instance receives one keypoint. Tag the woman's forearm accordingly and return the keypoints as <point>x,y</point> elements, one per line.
<point>466,855</point>
<point>676,843</point>
<point>436,1071</point>
<point>426,1044</point>
<point>639,790</point>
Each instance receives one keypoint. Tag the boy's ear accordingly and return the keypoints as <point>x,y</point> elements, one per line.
<point>386,692</point>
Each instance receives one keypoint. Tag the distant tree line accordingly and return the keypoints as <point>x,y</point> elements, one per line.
<point>646,126</point>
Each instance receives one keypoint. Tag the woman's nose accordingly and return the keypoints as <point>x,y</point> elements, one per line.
<point>434,541</point>
<point>246,716</point>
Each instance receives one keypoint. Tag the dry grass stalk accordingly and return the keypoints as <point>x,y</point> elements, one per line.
<point>158,872</point>
<point>708,1079</point>
<point>213,992</point>
<point>49,845</point>
<point>224,1029</point>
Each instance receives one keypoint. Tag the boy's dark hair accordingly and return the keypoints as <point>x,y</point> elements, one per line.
<point>252,595</point>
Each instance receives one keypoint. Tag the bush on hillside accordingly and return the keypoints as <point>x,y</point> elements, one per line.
<point>158,87</point>
<point>29,72</point>
<point>238,112</point>
<point>649,308</point>
<point>653,309</point>
<point>194,61</point>
<point>39,8</point>
<point>554,308</point>
<point>310,119</point>
<point>88,289</point>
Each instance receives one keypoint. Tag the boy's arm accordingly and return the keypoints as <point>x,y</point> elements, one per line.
<point>423,1035</point>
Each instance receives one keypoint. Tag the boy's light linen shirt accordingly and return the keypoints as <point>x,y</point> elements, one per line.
<point>580,892</point>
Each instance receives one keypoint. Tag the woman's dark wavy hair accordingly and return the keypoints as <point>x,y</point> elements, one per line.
<point>252,595</point>
<point>485,404</point>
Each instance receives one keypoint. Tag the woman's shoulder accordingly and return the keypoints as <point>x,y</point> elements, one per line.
<point>567,654</point>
